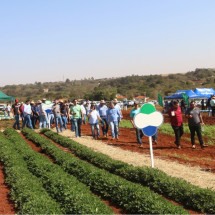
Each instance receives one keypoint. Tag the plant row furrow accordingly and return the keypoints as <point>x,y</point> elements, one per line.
<point>133,198</point>
<point>26,191</point>
<point>176,189</point>
<point>73,196</point>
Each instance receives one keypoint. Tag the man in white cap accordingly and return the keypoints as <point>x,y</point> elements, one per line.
<point>102,109</point>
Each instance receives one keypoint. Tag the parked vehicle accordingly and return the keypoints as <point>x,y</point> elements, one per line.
<point>2,107</point>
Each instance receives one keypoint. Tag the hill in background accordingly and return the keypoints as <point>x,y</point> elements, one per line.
<point>107,88</point>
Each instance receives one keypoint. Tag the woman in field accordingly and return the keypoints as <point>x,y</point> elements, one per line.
<point>93,118</point>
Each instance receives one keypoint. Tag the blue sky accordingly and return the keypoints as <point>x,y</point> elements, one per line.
<point>50,40</point>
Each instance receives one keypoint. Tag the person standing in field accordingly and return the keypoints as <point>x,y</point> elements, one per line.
<point>21,110</point>
<point>27,115</point>
<point>57,116</point>
<point>212,104</point>
<point>195,122</point>
<point>8,109</point>
<point>84,112</point>
<point>42,115</point>
<point>117,106</point>
<point>139,132</point>
<point>34,116</point>
<point>94,118</point>
<point>15,110</point>
<point>64,113</point>
<point>176,121</point>
<point>113,116</point>
<point>77,116</point>
<point>102,109</point>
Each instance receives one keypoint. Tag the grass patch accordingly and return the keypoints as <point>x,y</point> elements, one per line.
<point>166,128</point>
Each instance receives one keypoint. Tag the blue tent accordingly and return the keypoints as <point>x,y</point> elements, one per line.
<point>204,92</point>
<point>178,95</point>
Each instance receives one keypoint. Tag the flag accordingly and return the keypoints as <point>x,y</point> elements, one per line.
<point>185,98</point>
<point>160,100</point>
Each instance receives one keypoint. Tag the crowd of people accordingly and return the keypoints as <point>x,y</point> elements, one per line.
<point>62,112</point>
<point>207,105</point>
<point>106,116</point>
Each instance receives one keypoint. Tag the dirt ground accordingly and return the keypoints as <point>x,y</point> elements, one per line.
<point>165,149</point>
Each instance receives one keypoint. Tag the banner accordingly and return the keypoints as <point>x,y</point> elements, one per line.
<point>160,100</point>
<point>185,98</point>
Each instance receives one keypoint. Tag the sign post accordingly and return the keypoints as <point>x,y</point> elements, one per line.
<point>148,120</point>
<point>151,152</point>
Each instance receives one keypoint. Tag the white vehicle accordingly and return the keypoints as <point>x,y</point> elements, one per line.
<point>2,107</point>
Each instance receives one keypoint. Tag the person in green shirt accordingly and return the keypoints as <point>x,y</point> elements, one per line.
<point>76,113</point>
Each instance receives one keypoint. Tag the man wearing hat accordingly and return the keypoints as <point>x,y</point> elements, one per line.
<point>102,109</point>
<point>15,110</point>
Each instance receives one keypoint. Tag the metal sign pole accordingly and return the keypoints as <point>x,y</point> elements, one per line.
<point>151,152</point>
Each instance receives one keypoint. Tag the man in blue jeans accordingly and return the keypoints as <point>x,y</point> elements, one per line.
<point>195,122</point>
<point>139,132</point>
<point>77,117</point>
<point>15,109</point>
<point>57,116</point>
<point>27,115</point>
<point>102,109</point>
<point>113,116</point>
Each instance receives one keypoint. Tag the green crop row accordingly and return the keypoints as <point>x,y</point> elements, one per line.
<point>176,189</point>
<point>26,191</point>
<point>131,197</point>
<point>73,196</point>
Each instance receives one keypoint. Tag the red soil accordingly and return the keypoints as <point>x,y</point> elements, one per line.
<point>165,149</point>
<point>6,206</point>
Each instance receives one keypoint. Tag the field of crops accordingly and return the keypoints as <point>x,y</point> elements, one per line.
<point>77,180</point>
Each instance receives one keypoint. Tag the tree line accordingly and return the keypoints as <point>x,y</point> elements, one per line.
<point>107,88</point>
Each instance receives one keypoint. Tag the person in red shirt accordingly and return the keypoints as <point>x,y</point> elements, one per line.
<point>176,121</point>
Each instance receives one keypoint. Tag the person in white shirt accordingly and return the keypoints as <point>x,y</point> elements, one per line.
<point>8,109</point>
<point>27,115</point>
<point>84,112</point>
<point>94,118</point>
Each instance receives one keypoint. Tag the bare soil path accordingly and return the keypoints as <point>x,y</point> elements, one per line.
<point>195,166</point>
<point>6,206</point>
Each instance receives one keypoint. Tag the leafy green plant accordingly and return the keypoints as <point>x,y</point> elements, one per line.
<point>73,196</point>
<point>26,192</point>
<point>173,188</point>
<point>131,197</point>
